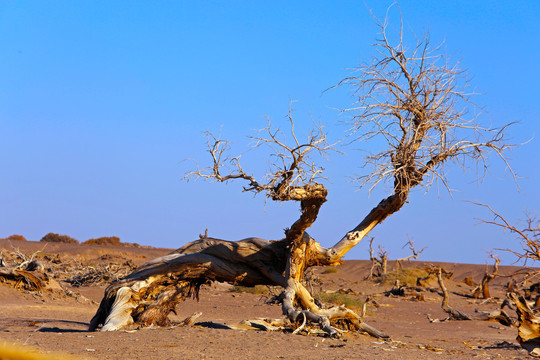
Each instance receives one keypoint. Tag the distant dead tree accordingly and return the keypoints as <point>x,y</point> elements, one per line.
<point>379,262</point>
<point>412,100</point>
<point>414,255</point>
<point>482,290</point>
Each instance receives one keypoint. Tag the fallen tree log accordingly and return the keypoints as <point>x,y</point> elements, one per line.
<point>31,281</point>
<point>27,272</point>
<point>153,290</point>
<point>454,314</point>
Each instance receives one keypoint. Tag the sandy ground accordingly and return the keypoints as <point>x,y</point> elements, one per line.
<point>53,323</point>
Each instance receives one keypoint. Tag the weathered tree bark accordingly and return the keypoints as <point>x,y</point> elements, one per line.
<point>153,290</point>
<point>483,289</point>
<point>529,325</point>
<point>376,216</point>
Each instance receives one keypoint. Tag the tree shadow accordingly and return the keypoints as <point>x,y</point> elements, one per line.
<point>56,329</point>
<point>504,345</point>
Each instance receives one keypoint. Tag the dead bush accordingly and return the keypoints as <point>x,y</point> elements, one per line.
<point>86,275</point>
<point>407,276</point>
<point>104,240</point>
<point>52,237</point>
<point>15,237</point>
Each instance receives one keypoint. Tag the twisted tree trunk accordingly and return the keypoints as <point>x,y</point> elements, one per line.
<point>153,290</point>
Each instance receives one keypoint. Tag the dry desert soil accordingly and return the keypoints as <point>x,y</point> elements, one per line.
<point>56,321</point>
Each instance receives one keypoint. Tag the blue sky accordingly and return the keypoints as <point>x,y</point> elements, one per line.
<point>100,101</point>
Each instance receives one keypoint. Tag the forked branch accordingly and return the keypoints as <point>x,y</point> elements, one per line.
<point>414,255</point>
<point>292,176</point>
<point>528,234</point>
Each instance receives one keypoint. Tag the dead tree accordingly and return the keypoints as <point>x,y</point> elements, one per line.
<point>483,289</point>
<point>379,263</point>
<point>453,313</point>
<point>411,99</point>
<point>414,255</point>
<point>383,257</point>
<point>148,295</point>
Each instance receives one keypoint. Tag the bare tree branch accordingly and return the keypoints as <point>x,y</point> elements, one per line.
<point>412,106</point>
<point>414,255</point>
<point>293,176</point>
<point>415,102</point>
<point>529,234</point>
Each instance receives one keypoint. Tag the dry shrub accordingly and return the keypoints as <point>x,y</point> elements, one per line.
<point>104,240</point>
<point>407,276</point>
<point>330,271</point>
<point>15,237</point>
<point>257,289</point>
<point>92,274</point>
<point>352,302</point>
<point>52,237</point>
<point>41,272</point>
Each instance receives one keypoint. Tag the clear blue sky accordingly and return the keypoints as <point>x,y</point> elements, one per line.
<point>100,101</point>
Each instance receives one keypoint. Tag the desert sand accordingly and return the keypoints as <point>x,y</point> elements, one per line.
<point>56,321</point>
